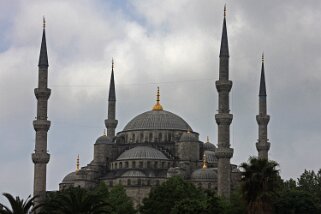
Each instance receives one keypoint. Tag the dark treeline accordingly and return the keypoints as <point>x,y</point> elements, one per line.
<point>261,191</point>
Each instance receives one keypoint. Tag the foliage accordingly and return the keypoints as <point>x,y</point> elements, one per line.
<point>260,180</point>
<point>295,201</point>
<point>177,196</point>
<point>120,202</point>
<point>75,200</point>
<point>18,206</point>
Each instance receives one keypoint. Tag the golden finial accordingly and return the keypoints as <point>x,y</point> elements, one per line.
<point>263,57</point>
<point>43,22</point>
<point>204,162</point>
<point>157,106</point>
<point>112,63</point>
<point>77,164</point>
<point>224,10</point>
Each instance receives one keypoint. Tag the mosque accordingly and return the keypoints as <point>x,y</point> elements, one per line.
<point>154,145</point>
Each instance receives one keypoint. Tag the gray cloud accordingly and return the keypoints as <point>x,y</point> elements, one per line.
<point>173,44</point>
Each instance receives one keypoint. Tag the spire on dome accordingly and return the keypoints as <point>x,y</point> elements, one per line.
<point>262,81</point>
<point>112,93</point>
<point>77,164</point>
<point>204,162</point>
<point>224,52</point>
<point>43,58</point>
<point>158,106</point>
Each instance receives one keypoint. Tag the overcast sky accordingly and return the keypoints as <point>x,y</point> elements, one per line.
<point>170,44</point>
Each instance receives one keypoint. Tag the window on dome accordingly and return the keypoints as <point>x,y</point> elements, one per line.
<point>133,164</point>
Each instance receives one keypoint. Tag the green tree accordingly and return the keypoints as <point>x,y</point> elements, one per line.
<point>18,206</point>
<point>164,197</point>
<point>75,200</point>
<point>120,202</point>
<point>294,201</point>
<point>260,180</point>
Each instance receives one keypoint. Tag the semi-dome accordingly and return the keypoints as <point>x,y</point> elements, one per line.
<point>70,177</point>
<point>204,174</point>
<point>160,119</point>
<point>133,173</point>
<point>142,152</point>
<point>104,140</point>
<point>188,137</point>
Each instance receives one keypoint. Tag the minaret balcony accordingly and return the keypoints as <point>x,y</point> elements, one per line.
<point>263,146</point>
<point>224,152</point>
<point>42,93</point>
<point>41,125</point>
<point>223,118</point>
<point>110,123</point>
<point>223,85</point>
<point>40,157</point>
<point>262,119</point>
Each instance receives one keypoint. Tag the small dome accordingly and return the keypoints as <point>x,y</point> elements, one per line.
<point>188,137</point>
<point>209,147</point>
<point>142,152</point>
<point>133,173</point>
<point>104,140</point>
<point>153,120</point>
<point>70,178</point>
<point>204,174</point>
<point>210,157</point>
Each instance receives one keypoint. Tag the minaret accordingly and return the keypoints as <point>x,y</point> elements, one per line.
<point>262,119</point>
<point>40,157</point>
<point>223,119</point>
<point>111,122</point>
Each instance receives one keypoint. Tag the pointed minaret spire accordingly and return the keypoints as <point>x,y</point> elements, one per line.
<point>262,119</point>
<point>111,122</point>
<point>43,57</point>
<point>224,52</point>
<point>224,119</point>
<point>112,93</point>
<point>262,81</point>
<point>40,157</point>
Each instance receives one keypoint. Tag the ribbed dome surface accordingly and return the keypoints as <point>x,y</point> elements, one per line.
<point>104,140</point>
<point>204,174</point>
<point>209,147</point>
<point>69,178</point>
<point>152,120</point>
<point>133,173</point>
<point>210,157</point>
<point>142,152</point>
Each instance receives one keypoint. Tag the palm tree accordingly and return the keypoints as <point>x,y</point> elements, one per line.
<point>75,200</point>
<point>260,179</point>
<point>18,206</point>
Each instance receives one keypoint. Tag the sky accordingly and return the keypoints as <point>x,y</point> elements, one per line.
<point>170,44</point>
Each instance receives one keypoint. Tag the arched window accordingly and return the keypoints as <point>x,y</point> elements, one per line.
<point>126,164</point>
<point>150,137</point>
<point>142,137</point>
<point>128,182</point>
<point>155,164</point>
<point>140,164</point>
<point>133,164</point>
<point>139,182</point>
<point>160,137</point>
<point>120,165</point>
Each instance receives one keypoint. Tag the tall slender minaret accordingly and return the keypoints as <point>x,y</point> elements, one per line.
<point>111,122</point>
<point>262,119</point>
<point>40,157</point>
<point>223,119</point>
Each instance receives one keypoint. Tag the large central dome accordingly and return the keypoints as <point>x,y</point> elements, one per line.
<point>155,120</point>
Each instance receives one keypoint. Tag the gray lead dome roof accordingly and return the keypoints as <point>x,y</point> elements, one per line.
<point>142,152</point>
<point>152,120</point>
